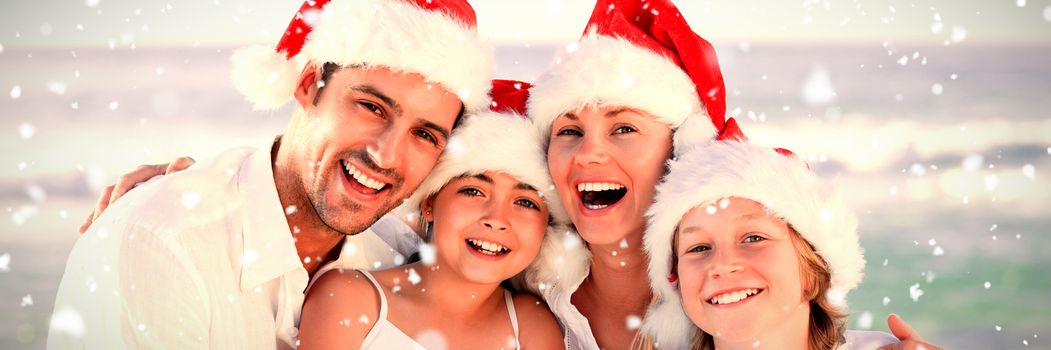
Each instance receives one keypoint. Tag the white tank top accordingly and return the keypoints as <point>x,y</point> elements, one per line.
<point>385,335</point>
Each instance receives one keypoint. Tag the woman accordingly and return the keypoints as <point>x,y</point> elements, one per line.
<point>608,112</point>
<point>487,206</point>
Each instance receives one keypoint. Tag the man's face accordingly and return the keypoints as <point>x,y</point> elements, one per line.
<point>366,141</point>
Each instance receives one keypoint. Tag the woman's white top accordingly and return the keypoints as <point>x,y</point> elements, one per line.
<point>386,335</point>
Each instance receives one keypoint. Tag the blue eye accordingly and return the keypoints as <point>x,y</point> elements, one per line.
<point>754,239</point>
<point>624,129</point>
<point>569,132</point>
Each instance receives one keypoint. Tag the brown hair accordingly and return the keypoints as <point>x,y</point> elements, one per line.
<point>827,321</point>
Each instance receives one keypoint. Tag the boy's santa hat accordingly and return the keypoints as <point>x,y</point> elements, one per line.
<point>732,167</point>
<point>433,38</point>
<point>502,140</point>
<point>640,54</point>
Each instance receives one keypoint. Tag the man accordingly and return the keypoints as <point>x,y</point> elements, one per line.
<point>219,256</point>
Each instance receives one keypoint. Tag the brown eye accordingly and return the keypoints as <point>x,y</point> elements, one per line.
<point>528,204</point>
<point>427,136</point>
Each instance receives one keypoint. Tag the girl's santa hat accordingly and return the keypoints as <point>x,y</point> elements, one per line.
<point>775,178</point>
<point>497,140</point>
<point>640,54</point>
<point>433,38</point>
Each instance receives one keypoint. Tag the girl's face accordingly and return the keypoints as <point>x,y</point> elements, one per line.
<point>739,272</point>
<point>487,227</point>
<point>606,162</point>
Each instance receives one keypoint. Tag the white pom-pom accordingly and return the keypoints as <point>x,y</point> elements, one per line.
<point>695,131</point>
<point>264,76</point>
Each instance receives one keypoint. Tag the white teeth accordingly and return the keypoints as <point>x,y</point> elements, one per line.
<point>362,179</point>
<point>488,248</point>
<point>733,297</point>
<point>598,186</point>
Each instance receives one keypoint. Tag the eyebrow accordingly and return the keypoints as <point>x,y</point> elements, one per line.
<point>618,111</point>
<point>483,177</point>
<point>371,90</point>
<point>525,186</point>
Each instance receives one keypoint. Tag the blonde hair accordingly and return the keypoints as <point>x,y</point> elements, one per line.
<point>827,321</point>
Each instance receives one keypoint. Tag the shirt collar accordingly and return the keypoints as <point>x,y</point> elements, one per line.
<point>269,248</point>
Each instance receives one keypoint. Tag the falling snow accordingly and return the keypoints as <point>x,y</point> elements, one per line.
<point>26,130</point>
<point>190,199</point>
<point>5,262</point>
<point>915,292</point>
<point>16,92</point>
<point>633,322</point>
<point>865,320</point>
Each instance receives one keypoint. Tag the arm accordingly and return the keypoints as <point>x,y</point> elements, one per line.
<point>335,306</point>
<point>537,326</point>
<point>128,181</point>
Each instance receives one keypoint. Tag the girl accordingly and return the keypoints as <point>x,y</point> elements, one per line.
<point>487,205</point>
<point>744,243</point>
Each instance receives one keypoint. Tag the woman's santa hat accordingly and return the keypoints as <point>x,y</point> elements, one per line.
<point>502,140</point>
<point>640,54</point>
<point>433,38</point>
<point>775,178</point>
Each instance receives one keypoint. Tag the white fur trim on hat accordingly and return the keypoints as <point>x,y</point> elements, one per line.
<point>563,262</point>
<point>613,71</point>
<point>490,141</point>
<point>782,184</point>
<point>392,34</point>
<point>265,77</point>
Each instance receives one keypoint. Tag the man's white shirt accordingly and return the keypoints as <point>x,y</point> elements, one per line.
<point>200,259</point>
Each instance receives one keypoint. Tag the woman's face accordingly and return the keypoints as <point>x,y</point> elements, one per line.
<point>605,163</point>
<point>487,227</point>
<point>739,272</point>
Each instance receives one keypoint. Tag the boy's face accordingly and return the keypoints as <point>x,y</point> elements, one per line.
<point>739,273</point>
<point>366,142</point>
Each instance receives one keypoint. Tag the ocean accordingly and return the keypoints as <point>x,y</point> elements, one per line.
<point>943,151</point>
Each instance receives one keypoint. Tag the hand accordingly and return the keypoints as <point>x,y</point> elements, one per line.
<point>910,339</point>
<point>126,182</point>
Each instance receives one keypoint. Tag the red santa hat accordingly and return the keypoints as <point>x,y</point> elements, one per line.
<point>640,54</point>
<point>433,38</point>
<point>775,178</point>
<point>502,140</point>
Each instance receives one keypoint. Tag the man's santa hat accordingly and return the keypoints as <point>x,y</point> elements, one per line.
<point>433,38</point>
<point>640,54</point>
<point>501,140</point>
<point>732,167</point>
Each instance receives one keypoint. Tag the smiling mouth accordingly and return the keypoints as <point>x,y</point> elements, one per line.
<point>487,248</point>
<point>734,297</point>
<point>598,195</point>
<point>366,184</point>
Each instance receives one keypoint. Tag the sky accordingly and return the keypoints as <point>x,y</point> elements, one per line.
<point>172,23</point>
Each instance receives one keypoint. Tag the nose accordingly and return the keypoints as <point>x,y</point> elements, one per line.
<point>386,148</point>
<point>593,150</point>
<point>495,217</point>
<point>726,262</point>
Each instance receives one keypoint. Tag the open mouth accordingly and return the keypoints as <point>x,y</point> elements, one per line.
<point>734,297</point>
<point>487,248</point>
<point>598,195</point>
<point>365,184</point>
